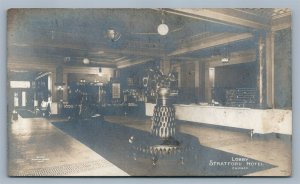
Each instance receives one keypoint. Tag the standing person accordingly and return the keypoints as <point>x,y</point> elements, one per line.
<point>45,108</point>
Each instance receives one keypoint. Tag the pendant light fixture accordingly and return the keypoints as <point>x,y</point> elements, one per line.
<point>113,35</point>
<point>86,61</point>
<point>162,28</point>
<point>225,55</point>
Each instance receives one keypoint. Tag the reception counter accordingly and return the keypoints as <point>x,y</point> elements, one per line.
<point>261,121</point>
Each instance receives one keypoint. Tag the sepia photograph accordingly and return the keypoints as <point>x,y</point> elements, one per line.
<point>149,92</point>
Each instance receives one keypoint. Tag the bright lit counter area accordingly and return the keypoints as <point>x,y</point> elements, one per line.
<point>261,121</point>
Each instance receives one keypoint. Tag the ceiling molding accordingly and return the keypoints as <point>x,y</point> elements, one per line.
<point>235,58</point>
<point>84,70</point>
<point>15,63</point>
<point>47,64</point>
<point>131,51</point>
<point>281,26</point>
<point>223,38</point>
<point>195,39</point>
<point>132,63</point>
<point>92,64</point>
<point>214,61</point>
<point>283,22</point>
<point>281,12</point>
<point>50,45</point>
<point>217,17</point>
<point>281,15</point>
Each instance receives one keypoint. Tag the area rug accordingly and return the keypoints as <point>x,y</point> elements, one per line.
<point>110,140</point>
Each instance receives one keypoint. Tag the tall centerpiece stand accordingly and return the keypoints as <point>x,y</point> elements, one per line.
<point>162,142</point>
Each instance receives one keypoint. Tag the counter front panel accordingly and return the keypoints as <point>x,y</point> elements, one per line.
<point>261,121</point>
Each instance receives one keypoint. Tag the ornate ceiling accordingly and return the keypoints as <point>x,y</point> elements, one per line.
<point>52,35</point>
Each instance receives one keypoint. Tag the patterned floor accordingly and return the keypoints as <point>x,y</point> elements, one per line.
<point>65,170</point>
<point>37,148</point>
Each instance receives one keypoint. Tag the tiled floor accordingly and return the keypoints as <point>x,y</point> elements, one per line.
<point>273,151</point>
<point>36,147</point>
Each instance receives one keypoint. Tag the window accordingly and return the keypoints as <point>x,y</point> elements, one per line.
<point>20,84</point>
<point>23,98</point>
<point>16,99</point>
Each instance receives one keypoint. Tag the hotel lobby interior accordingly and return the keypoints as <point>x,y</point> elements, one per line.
<point>149,92</point>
